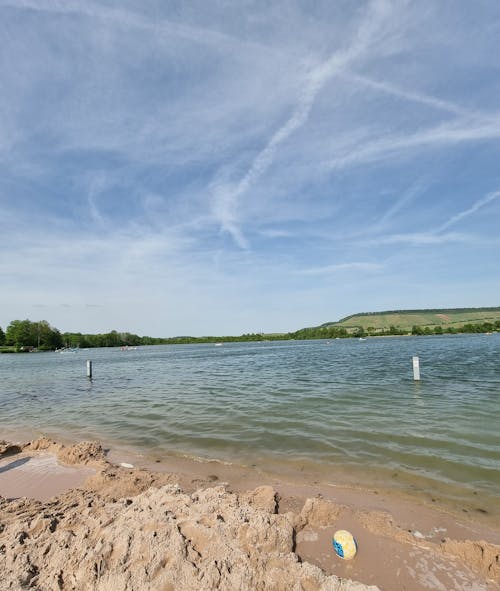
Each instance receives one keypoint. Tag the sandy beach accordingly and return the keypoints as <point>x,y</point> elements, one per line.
<point>77,517</point>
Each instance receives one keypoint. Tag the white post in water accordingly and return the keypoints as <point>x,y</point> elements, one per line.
<point>89,369</point>
<point>416,368</point>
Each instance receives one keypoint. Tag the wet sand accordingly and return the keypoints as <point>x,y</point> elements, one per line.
<point>39,476</point>
<point>401,545</point>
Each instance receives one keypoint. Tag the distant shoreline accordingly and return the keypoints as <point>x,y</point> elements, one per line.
<point>218,341</point>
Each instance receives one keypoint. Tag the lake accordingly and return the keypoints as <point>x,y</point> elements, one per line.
<point>345,410</point>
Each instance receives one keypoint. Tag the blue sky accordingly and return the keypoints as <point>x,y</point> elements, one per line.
<point>203,167</point>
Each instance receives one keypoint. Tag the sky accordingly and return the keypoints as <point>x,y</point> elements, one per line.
<point>208,168</point>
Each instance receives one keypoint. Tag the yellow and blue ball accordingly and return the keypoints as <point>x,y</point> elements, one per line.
<point>344,544</point>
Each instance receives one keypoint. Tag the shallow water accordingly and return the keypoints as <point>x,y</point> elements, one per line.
<point>340,411</point>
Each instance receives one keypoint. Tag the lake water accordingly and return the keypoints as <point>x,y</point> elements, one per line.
<point>344,411</point>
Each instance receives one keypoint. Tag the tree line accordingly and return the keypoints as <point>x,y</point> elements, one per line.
<point>25,335</point>
<point>334,332</point>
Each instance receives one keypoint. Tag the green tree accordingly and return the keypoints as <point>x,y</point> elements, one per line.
<point>112,339</point>
<point>48,338</point>
<point>359,332</point>
<point>24,334</point>
<point>2,336</point>
<point>19,334</point>
<point>396,330</point>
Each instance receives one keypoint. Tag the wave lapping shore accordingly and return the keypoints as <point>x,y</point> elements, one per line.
<point>126,528</point>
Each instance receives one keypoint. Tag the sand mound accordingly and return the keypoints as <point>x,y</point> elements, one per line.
<point>86,452</point>
<point>319,512</point>
<point>8,449</point>
<point>41,444</point>
<point>481,557</point>
<point>114,482</point>
<point>83,453</point>
<point>162,539</point>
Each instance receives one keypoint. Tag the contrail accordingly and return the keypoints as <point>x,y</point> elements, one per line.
<point>477,205</point>
<point>408,95</point>
<point>225,200</point>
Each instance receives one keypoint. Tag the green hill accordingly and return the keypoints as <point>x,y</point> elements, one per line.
<point>406,319</point>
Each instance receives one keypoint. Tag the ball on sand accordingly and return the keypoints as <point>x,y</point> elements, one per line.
<point>344,544</point>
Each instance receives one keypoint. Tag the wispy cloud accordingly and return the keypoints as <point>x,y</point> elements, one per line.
<point>442,135</point>
<point>331,269</point>
<point>406,198</point>
<point>436,235</point>
<point>226,198</point>
<point>276,233</point>
<point>128,19</point>
<point>97,184</point>
<point>421,238</point>
<point>409,95</point>
<point>480,203</point>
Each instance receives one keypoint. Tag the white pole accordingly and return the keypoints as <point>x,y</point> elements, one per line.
<point>416,368</point>
<point>89,369</point>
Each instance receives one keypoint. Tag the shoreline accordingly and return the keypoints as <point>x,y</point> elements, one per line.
<point>416,534</point>
<point>320,479</point>
<point>239,475</point>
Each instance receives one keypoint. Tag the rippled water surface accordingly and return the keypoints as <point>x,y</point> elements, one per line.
<point>344,409</point>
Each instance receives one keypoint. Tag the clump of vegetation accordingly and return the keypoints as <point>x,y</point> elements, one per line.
<point>24,336</point>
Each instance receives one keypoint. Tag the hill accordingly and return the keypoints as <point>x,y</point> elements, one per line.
<point>405,320</point>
